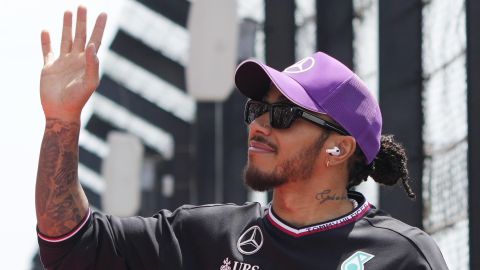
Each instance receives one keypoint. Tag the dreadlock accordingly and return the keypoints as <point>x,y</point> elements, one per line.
<point>388,167</point>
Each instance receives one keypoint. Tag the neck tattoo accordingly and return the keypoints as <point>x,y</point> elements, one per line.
<point>327,195</point>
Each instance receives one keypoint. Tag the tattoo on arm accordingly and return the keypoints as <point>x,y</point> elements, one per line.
<point>60,201</point>
<point>327,195</point>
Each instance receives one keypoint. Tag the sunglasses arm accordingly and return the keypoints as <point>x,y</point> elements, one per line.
<point>322,123</point>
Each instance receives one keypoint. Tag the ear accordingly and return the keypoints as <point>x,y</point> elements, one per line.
<point>347,146</point>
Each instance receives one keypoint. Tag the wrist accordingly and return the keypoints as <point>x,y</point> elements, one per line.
<point>66,132</point>
<point>64,116</point>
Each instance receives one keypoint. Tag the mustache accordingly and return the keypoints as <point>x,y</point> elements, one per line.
<point>263,140</point>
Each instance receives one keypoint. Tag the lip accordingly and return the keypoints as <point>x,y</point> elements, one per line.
<point>256,146</point>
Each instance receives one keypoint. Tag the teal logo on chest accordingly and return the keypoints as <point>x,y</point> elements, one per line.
<point>356,261</point>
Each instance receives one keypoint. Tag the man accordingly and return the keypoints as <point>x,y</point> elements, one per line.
<point>314,132</point>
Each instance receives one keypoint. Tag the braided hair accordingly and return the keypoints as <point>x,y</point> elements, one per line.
<point>388,167</point>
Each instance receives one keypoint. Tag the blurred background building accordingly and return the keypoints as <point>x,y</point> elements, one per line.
<point>420,58</point>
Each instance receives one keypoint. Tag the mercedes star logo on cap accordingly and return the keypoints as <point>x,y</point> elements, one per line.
<point>301,66</point>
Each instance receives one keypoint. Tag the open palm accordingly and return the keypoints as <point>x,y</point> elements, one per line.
<point>68,81</point>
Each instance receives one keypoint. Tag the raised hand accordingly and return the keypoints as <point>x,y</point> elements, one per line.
<point>68,81</point>
<point>65,86</point>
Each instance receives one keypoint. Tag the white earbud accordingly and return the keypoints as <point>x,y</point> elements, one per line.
<point>335,151</point>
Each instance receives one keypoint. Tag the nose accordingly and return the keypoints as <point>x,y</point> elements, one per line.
<point>261,125</point>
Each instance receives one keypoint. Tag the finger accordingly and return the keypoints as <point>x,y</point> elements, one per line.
<point>91,73</point>
<point>66,45</point>
<point>46,47</point>
<point>80,30</point>
<point>97,33</point>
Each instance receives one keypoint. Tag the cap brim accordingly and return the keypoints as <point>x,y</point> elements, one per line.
<point>253,79</point>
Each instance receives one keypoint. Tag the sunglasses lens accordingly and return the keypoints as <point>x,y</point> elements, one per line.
<point>282,116</point>
<point>253,110</point>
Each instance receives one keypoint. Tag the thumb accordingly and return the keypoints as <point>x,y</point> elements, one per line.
<point>91,72</point>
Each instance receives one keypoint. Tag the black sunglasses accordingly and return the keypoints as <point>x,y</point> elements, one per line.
<point>283,114</point>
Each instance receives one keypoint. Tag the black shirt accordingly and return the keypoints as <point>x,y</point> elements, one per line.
<point>246,237</point>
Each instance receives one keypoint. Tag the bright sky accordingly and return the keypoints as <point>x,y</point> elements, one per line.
<point>21,116</point>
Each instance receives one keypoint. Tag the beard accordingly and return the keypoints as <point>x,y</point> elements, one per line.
<point>298,167</point>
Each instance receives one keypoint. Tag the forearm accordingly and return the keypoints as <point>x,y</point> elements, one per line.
<point>59,199</point>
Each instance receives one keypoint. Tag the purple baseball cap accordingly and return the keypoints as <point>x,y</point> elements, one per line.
<point>321,84</point>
